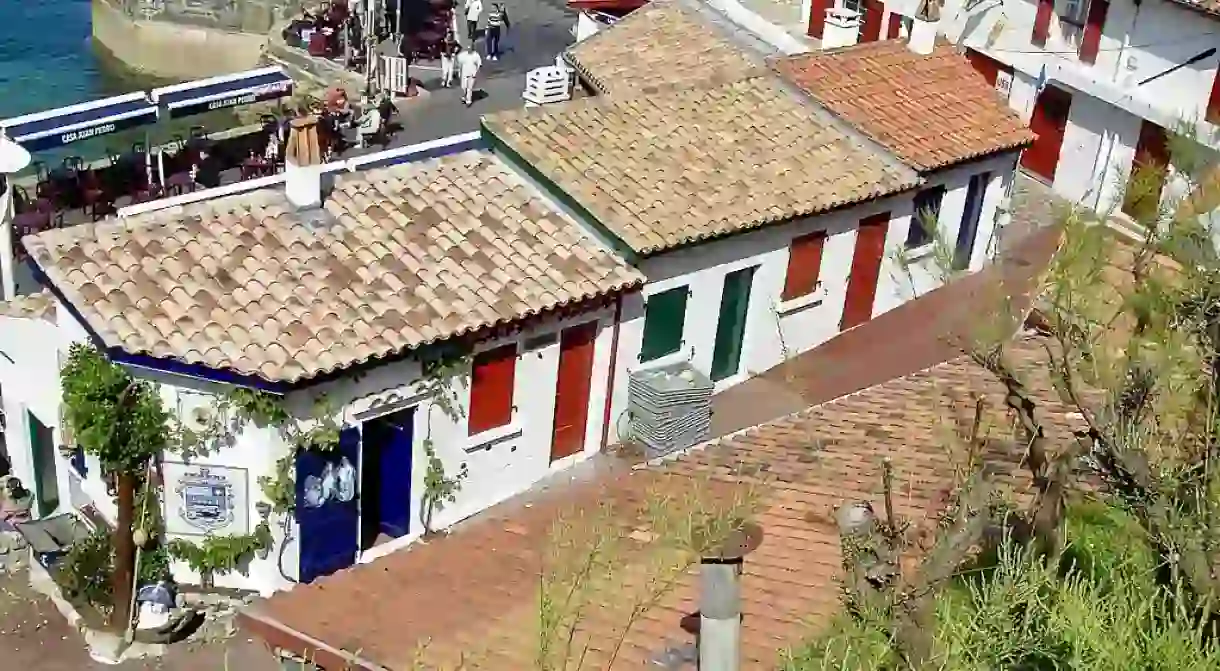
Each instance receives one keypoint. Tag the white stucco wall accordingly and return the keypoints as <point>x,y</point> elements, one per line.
<point>28,360</point>
<point>775,330</point>
<point>501,462</point>
<point>1138,42</point>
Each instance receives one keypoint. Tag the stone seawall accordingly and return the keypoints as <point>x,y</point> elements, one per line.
<point>188,39</point>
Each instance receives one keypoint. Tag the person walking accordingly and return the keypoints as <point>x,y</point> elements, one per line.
<point>474,9</point>
<point>497,19</point>
<point>468,63</point>
<point>449,51</point>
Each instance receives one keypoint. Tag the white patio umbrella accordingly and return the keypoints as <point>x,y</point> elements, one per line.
<point>13,159</point>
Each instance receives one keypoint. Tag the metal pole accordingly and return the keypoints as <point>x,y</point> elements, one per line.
<point>720,614</point>
<point>6,240</point>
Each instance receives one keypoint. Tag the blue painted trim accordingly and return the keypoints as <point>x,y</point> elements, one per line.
<point>222,89</point>
<point>69,126</point>
<point>160,364</point>
<point>424,154</point>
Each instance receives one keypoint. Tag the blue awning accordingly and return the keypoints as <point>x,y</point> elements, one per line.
<point>242,88</point>
<point>58,127</point>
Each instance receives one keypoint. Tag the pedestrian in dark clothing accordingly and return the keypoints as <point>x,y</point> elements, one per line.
<point>497,20</point>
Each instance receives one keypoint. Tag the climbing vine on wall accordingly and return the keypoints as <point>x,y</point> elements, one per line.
<point>441,488</point>
<point>220,554</point>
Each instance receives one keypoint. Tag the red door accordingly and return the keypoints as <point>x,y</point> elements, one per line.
<point>576,347</point>
<point>873,10</point>
<point>865,270</point>
<point>817,16</point>
<point>1148,168</point>
<point>894,30</point>
<point>985,65</point>
<point>1048,123</point>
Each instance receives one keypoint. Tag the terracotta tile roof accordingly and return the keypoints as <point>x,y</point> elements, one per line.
<point>476,591</point>
<point>686,165</point>
<point>661,47</point>
<point>38,305</point>
<point>397,258</point>
<point>932,111</point>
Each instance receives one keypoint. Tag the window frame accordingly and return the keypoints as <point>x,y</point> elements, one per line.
<point>498,411</point>
<point>919,234</point>
<point>811,279</point>
<point>654,302</point>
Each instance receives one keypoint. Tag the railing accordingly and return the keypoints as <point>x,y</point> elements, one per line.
<point>416,152</point>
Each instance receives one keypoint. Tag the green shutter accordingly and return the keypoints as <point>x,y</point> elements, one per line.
<point>731,327</point>
<point>664,319</point>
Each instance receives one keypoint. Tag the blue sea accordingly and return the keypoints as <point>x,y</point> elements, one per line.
<point>48,60</point>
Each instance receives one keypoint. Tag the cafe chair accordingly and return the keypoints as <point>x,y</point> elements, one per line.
<point>91,191</point>
<point>44,187</point>
<point>21,200</point>
<point>102,208</point>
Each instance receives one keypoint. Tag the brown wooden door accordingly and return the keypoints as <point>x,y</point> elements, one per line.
<point>865,270</point>
<point>1048,123</point>
<point>576,347</point>
<point>873,11</point>
<point>1148,168</point>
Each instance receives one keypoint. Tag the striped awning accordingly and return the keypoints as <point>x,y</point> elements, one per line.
<point>65,125</point>
<point>242,88</point>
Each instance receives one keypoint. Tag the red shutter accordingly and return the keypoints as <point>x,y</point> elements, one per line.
<point>491,388</point>
<point>1090,43</point>
<point>804,265</point>
<point>894,31</point>
<point>817,16</point>
<point>873,11</point>
<point>1042,22</point>
<point>1213,102</point>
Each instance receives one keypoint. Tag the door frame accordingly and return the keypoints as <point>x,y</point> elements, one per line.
<point>1049,94</point>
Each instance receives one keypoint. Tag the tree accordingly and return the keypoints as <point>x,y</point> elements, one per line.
<point>1130,326</point>
<point>122,422</point>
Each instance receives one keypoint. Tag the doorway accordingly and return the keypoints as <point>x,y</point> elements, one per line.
<point>968,232</point>
<point>865,270</point>
<point>46,481</point>
<point>1142,198</point>
<point>327,507</point>
<point>731,327</point>
<point>387,447</point>
<point>1049,123</point>
<point>576,349</point>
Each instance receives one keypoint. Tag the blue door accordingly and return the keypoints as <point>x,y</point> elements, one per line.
<point>395,472</point>
<point>328,512</point>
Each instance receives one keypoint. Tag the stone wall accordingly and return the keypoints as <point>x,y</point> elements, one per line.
<point>248,16</point>
<point>14,552</point>
<point>188,39</point>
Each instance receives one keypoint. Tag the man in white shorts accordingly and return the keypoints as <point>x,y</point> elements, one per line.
<point>468,63</point>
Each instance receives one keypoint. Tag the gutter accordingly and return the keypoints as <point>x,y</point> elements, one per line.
<point>613,366</point>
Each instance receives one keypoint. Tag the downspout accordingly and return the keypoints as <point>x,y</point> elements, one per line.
<point>618,316</point>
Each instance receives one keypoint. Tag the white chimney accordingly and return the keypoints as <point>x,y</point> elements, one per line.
<point>303,164</point>
<point>923,36</point>
<point>842,28</point>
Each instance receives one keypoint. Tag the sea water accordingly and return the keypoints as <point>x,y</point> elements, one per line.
<point>48,60</point>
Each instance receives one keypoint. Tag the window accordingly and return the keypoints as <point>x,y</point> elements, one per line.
<point>491,388</point>
<point>923,221</point>
<point>804,265</point>
<point>664,319</point>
